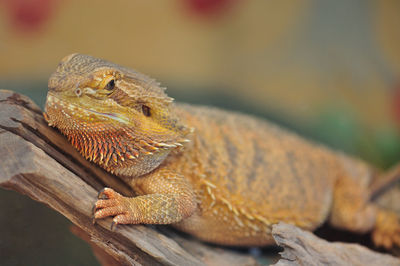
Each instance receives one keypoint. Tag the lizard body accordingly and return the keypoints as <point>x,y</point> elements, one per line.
<point>221,176</point>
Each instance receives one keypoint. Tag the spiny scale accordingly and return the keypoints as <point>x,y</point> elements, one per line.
<point>103,147</point>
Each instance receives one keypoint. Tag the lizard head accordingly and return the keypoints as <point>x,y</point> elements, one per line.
<point>113,115</point>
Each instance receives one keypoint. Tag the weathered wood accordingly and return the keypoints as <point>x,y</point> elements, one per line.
<point>304,248</point>
<point>37,161</point>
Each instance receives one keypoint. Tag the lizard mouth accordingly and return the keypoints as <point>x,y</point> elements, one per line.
<point>70,109</point>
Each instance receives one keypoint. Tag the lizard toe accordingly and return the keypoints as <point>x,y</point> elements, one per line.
<point>108,193</point>
<point>387,230</point>
<point>124,219</point>
<point>108,211</point>
<point>110,203</point>
<point>104,203</point>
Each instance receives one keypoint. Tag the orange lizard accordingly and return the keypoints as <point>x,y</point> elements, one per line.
<point>221,176</point>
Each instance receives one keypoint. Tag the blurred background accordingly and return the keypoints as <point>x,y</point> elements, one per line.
<point>329,70</point>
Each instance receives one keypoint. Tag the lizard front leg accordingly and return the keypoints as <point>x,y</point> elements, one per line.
<point>165,198</point>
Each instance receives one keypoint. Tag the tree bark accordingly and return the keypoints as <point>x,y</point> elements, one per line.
<point>304,248</point>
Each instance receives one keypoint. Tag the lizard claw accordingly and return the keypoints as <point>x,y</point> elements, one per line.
<point>113,226</point>
<point>93,212</point>
<point>103,193</point>
<point>93,209</point>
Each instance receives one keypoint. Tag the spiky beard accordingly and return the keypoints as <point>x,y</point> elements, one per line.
<point>110,147</point>
<point>116,149</point>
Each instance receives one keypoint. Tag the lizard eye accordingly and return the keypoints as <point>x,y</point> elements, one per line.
<point>110,85</point>
<point>146,110</point>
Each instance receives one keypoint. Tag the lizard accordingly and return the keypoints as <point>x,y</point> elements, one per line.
<point>222,176</point>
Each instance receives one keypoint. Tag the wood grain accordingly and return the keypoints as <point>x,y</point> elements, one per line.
<point>304,248</point>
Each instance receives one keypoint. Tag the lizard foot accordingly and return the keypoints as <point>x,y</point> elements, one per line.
<point>111,203</point>
<point>387,230</point>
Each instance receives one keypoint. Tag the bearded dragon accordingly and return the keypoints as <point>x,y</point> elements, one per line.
<point>221,176</point>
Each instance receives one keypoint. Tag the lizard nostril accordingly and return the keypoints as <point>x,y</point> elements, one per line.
<point>78,92</point>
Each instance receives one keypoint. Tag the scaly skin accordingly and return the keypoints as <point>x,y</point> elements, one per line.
<point>221,176</point>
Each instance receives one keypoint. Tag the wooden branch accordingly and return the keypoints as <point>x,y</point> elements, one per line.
<point>304,248</point>
<point>38,161</point>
